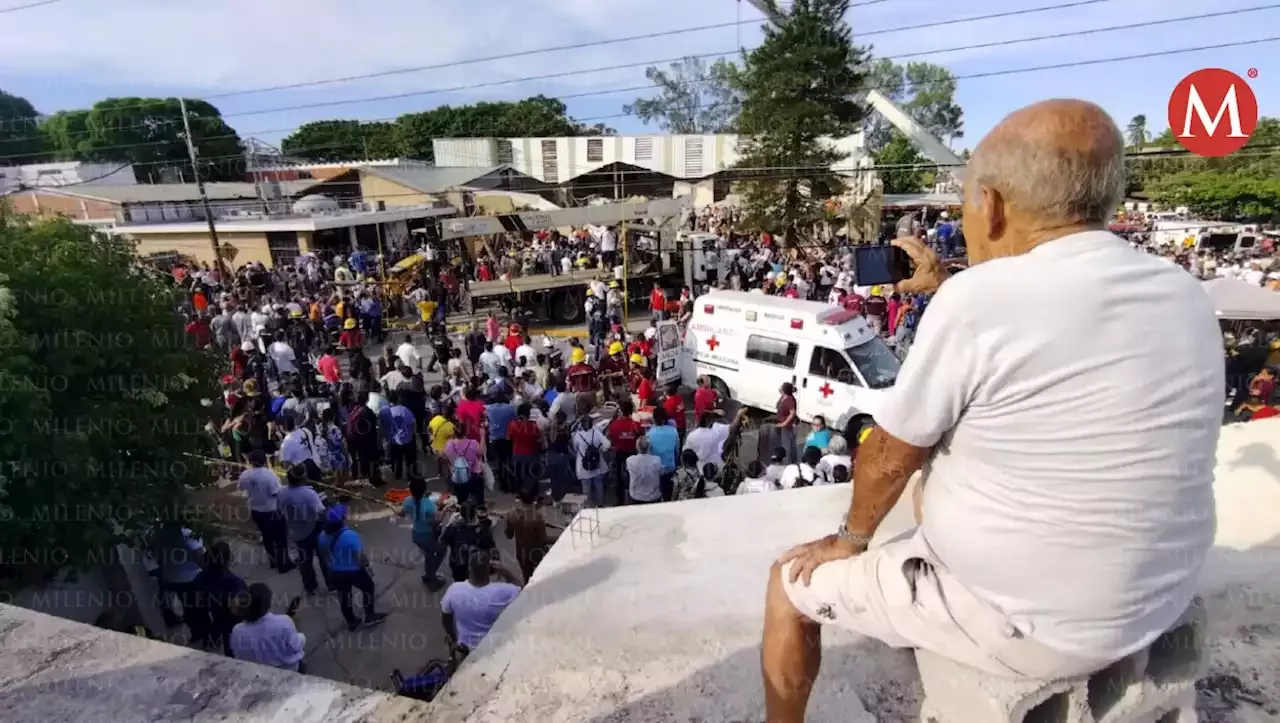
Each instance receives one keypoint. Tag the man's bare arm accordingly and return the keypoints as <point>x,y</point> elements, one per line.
<point>884,465</point>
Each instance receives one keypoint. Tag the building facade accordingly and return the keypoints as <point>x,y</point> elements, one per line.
<point>560,160</point>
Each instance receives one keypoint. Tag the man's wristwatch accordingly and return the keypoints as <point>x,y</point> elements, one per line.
<point>844,534</point>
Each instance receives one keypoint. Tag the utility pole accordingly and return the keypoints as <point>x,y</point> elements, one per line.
<point>204,197</point>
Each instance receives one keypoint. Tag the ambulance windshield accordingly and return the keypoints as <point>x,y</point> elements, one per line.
<point>875,362</point>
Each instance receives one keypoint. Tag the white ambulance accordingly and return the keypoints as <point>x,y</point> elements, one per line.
<point>749,344</point>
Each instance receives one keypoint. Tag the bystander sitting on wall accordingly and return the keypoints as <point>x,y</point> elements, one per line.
<point>1055,455</point>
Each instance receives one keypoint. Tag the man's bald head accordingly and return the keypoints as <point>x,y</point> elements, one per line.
<point>1054,164</point>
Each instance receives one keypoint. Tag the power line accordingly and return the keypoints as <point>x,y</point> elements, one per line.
<point>1014,41</point>
<point>760,173</point>
<point>28,6</point>
<point>987,74</point>
<point>881,31</point>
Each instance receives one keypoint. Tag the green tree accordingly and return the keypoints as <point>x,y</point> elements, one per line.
<point>925,92</point>
<point>693,97</point>
<point>101,401</point>
<point>1135,133</point>
<point>342,140</point>
<point>531,117</point>
<point>798,89</point>
<point>904,169</point>
<point>1258,158</point>
<point>147,132</point>
<point>21,140</point>
<point>1221,196</point>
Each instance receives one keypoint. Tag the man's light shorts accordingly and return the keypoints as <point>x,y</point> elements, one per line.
<point>897,594</point>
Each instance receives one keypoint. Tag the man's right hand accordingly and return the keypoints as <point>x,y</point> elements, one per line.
<point>929,273</point>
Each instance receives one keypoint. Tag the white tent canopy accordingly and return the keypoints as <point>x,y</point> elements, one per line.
<point>1234,299</point>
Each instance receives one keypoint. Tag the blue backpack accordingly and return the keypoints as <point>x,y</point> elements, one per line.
<point>461,473</point>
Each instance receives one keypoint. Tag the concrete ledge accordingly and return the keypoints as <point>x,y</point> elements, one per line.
<point>1156,685</point>
<point>57,670</point>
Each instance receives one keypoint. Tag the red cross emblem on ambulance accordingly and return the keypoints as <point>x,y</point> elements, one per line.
<point>712,343</point>
<point>826,390</point>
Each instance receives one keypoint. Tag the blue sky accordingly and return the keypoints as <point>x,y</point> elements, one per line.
<point>70,53</point>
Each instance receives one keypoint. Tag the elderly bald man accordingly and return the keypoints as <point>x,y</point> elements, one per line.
<point>1063,399</point>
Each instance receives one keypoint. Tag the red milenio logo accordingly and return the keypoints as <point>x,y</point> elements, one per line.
<point>1213,111</point>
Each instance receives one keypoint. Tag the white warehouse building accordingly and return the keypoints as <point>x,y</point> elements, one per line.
<point>688,158</point>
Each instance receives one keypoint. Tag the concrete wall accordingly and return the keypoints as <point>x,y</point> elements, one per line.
<point>375,189</point>
<point>55,204</point>
<point>248,246</point>
<point>56,670</point>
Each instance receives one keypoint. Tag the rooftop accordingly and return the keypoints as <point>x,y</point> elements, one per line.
<point>290,222</point>
<point>432,179</point>
<point>57,670</point>
<point>170,192</point>
<point>658,617</point>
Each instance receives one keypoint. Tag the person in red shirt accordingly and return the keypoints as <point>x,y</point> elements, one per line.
<point>351,337</point>
<point>705,399</point>
<point>240,358</point>
<point>613,368</point>
<point>199,301</point>
<point>1263,386</point>
<point>580,376</point>
<point>657,302</point>
<point>471,415</point>
<point>329,366</point>
<point>646,390</point>
<point>199,331</point>
<point>674,404</point>
<point>623,432</point>
<point>513,340</point>
<point>526,450</point>
<point>640,346</point>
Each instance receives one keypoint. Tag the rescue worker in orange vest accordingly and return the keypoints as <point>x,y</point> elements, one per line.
<point>581,377</point>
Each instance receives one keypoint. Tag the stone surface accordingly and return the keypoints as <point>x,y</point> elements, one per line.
<point>57,670</point>
<point>1147,685</point>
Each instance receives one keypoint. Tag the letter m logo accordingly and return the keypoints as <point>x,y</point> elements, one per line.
<point>1212,112</point>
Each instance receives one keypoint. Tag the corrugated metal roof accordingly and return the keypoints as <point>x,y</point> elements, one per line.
<point>435,179</point>
<point>173,192</point>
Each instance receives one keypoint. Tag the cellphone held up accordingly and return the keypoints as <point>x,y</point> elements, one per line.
<point>881,264</point>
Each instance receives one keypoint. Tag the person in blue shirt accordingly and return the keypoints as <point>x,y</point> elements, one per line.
<point>664,443</point>
<point>421,510</point>
<point>398,427</point>
<point>820,437</point>
<point>348,567</point>
<point>500,413</point>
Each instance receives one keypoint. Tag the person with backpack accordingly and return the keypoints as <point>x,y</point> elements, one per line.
<point>348,564</point>
<point>466,469</point>
<point>803,473</point>
<point>688,480</point>
<point>589,445</point>
<point>419,509</point>
<point>465,535</point>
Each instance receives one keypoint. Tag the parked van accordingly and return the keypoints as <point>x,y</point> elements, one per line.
<point>749,344</point>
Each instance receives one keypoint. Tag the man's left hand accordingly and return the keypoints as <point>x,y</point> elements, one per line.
<point>810,555</point>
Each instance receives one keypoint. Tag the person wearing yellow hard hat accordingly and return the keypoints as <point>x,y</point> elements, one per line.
<point>580,376</point>
<point>351,337</point>
<point>613,368</point>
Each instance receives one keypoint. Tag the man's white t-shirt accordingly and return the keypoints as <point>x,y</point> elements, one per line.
<point>794,473</point>
<point>408,355</point>
<point>528,353</point>
<point>708,443</point>
<point>1073,396</point>
<point>282,354</point>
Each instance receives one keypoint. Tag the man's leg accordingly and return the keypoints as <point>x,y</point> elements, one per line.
<point>791,654</point>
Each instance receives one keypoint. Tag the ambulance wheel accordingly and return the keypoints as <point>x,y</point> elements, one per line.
<point>567,308</point>
<point>721,388</point>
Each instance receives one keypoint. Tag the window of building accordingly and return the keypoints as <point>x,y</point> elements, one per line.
<point>831,364</point>
<point>644,149</point>
<point>772,351</point>
<point>693,157</point>
<point>505,152</point>
<point>283,247</point>
<point>550,162</point>
<point>595,150</point>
